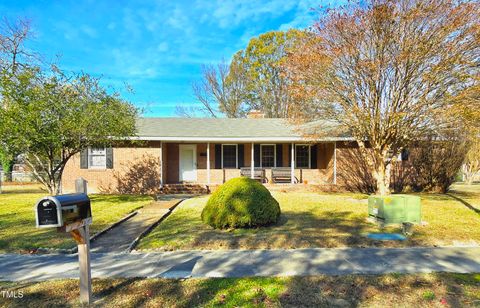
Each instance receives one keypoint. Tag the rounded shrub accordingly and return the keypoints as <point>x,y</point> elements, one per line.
<point>241,203</point>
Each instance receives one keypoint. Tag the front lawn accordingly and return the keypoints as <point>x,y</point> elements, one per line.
<point>393,290</point>
<point>316,220</point>
<point>17,218</point>
<point>468,193</point>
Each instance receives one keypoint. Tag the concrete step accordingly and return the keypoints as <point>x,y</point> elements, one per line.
<point>184,189</point>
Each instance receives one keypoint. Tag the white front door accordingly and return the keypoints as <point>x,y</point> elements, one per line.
<point>188,162</point>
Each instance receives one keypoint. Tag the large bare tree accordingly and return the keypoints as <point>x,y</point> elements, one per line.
<point>390,72</point>
<point>220,91</point>
<point>13,52</point>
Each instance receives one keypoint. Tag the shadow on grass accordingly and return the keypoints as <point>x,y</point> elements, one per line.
<point>354,290</point>
<point>468,205</point>
<point>464,194</point>
<point>293,230</point>
<point>455,290</point>
<point>337,291</point>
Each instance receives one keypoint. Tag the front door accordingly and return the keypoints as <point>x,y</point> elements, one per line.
<point>188,162</point>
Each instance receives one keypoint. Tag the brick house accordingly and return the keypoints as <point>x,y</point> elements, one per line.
<point>169,152</point>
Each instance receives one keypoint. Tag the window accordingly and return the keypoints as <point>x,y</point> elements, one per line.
<point>229,156</point>
<point>302,155</point>
<point>97,158</point>
<point>267,158</point>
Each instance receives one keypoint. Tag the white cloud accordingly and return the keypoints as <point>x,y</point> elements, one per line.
<point>179,19</point>
<point>89,31</point>
<point>162,47</point>
<point>232,13</point>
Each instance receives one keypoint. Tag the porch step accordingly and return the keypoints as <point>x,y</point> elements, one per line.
<point>196,189</point>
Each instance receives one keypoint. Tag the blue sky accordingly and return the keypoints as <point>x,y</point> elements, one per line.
<point>156,47</point>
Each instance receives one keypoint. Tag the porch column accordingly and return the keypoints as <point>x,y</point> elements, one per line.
<point>252,163</point>
<point>292,164</point>
<point>335,163</point>
<point>161,164</point>
<point>208,163</point>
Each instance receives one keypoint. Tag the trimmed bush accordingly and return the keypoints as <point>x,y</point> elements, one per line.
<point>241,203</point>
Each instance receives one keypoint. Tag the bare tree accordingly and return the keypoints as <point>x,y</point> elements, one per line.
<point>13,36</point>
<point>186,111</point>
<point>220,91</point>
<point>389,71</point>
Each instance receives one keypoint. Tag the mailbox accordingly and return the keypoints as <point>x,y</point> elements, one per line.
<point>62,210</point>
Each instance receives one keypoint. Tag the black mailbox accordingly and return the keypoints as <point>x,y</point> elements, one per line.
<point>62,210</point>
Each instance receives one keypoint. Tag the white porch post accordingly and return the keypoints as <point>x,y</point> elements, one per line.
<point>292,164</point>
<point>208,163</point>
<point>161,164</point>
<point>335,163</point>
<point>252,162</point>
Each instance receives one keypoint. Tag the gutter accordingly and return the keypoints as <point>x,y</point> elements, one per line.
<point>239,139</point>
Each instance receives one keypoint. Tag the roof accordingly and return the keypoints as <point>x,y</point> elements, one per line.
<point>226,129</point>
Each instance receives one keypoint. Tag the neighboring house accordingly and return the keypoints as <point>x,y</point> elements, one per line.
<point>208,152</point>
<point>20,173</point>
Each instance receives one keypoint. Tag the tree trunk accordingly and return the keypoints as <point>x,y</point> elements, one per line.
<point>52,186</point>
<point>381,174</point>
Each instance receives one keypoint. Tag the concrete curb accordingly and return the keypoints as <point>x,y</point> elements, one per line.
<point>151,227</point>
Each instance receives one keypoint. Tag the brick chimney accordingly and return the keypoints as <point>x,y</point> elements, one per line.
<point>255,114</point>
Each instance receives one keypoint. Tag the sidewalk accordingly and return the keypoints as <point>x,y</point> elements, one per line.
<point>240,263</point>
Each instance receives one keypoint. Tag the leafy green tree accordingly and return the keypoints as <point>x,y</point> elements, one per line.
<point>49,117</point>
<point>13,58</point>
<point>262,60</point>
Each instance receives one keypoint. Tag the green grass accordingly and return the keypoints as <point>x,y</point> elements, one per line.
<point>428,295</point>
<point>391,290</point>
<point>17,218</point>
<point>316,220</point>
<point>468,193</point>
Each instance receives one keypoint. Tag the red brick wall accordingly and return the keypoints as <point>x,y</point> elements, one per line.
<point>125,155</point>
<point>106,179</point>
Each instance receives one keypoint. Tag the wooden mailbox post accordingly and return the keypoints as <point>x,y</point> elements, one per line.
<point>81,235</point>
<point>71,213</point>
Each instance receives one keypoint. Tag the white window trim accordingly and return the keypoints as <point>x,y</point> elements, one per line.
<point>89,162</point>
<point>309,156</point>
<point>236,155</point>
<point>274,154</point>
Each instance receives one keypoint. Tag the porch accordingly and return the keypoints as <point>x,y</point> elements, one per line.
<point>271,163</point>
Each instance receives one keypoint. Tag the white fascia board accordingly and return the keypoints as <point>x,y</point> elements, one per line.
<point>239,139</point>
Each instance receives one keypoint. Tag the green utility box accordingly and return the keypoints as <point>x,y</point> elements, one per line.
<point>395,209</point>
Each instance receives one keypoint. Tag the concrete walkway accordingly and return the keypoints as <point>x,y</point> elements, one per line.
<point>239,263</point>
<point>121,237</point>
